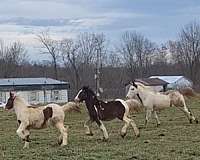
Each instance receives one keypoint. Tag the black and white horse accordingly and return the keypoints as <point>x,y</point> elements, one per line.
<point>104,111</point>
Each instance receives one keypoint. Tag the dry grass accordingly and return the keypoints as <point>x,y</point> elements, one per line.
<point>174,139</point>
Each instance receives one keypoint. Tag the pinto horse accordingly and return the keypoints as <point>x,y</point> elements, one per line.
<point>153,101</point>
<point>38,118</point>
<point>105,111</point>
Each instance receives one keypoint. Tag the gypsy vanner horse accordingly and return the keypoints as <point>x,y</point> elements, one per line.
<point>153,101</point>
<point>104,111</point>
<point>38,118</point>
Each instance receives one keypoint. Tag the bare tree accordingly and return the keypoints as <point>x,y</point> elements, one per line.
<point>186,50</point>
<point>70,56</point>
<point>137,51</point>
<point>52,48</point>
<point>11,57</point>
<point>87,44</point>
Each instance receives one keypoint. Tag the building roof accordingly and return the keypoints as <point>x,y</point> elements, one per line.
<point>169,79</point>
<point>152,81</point>
<point>27,84</point>
<point>29,81</point>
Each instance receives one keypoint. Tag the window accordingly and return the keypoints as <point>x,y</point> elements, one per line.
<point>56,95</point>
<point>33,96</point>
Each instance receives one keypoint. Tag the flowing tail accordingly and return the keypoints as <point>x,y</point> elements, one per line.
<point>188,92</point>
<point>134,106</point>
<point>71,106</point>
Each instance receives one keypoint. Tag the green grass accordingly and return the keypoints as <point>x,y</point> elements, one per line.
<point>175,139</point>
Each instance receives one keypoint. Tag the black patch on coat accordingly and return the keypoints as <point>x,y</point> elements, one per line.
<point>48,112</point>
<point>110,110</point>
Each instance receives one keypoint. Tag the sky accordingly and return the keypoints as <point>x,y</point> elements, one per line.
<point>158,20</point>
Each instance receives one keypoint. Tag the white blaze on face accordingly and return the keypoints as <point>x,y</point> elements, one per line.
<point>76,98</point>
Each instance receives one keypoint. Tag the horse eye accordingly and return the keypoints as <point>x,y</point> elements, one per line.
<point>132,88</point>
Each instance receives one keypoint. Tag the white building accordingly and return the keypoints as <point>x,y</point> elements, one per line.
<point>35,90</point>
<point>175,82</point>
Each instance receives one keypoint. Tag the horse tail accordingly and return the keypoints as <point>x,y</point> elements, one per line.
<point>188,92</point>
<point>71,106</point>
<point>134,106</point>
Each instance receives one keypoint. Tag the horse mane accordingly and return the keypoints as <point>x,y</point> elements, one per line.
<point>20,100</point>
<point>143,86</point>
<point>86,88</point>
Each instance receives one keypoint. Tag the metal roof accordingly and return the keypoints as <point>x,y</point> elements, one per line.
<point>169,79</point>
<point>30,81</point>
<point>151,81</point>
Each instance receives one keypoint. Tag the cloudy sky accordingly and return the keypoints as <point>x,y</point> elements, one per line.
<point>159,20</point>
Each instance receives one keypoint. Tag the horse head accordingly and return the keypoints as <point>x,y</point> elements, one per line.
<point>133,90</point>
<point>84,94</point>
<point>10,101</point>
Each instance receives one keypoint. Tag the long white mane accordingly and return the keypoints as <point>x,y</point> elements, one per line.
<point>21,101</point>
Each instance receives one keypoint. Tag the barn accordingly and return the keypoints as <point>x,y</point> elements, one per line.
<point>35,90</point>
<point>175,82</point>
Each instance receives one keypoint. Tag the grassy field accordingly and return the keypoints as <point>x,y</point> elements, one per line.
<point>174,139</point>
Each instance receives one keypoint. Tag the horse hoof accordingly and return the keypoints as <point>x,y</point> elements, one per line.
<point>105,139</point>
<point>60,141</point>
<point>158,125</point>
<point>89,134</point>
<point>197,121</point>
<point>138,135</point>
<point>62,145</point>
<point>190,121</point>
<point>123,135</point>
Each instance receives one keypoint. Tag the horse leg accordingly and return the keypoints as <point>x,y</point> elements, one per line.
<point>156,117</point>
<point>148,116</point>
<point>180,103</point>
<point>87,125</point>
<point>63,131</point>
<point>21,132</point>
<point>129,121</point>
<point>188,114</point>
<point>27,139</point>
<point>103,128</point>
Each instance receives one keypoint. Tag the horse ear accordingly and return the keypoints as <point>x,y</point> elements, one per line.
<point>133,83</point>
<point>12,94</point>
<point>126,84</point>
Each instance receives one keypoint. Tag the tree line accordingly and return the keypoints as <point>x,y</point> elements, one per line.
<point>134,56</point>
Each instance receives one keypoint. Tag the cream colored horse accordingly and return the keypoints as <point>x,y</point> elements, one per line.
<point>153,101</point>
<point>38,118</point>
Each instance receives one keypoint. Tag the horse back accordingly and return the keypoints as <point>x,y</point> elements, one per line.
<point>112,109</point>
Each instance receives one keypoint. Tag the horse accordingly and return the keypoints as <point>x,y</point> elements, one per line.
<point>39,118</point>
<point>154,101</point>
<point>105,111</point>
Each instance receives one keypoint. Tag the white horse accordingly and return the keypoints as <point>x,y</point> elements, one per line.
<point>38,118</point>
<point>154,101</point>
